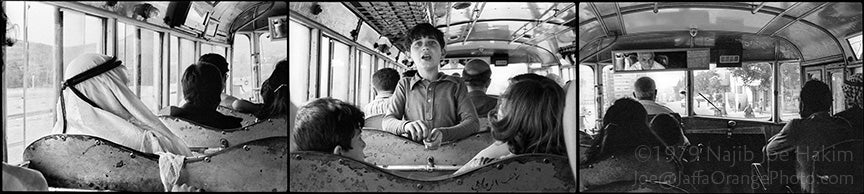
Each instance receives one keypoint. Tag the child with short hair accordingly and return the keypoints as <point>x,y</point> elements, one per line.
<point>431,104</point>
<point>330,125</point>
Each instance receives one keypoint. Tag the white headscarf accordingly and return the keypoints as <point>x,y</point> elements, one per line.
<point>122,119</point>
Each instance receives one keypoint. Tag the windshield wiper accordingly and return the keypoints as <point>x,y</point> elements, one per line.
<point>712,104</point>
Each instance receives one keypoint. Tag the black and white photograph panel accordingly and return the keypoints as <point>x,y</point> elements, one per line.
<point>145,96</point>
<point>720,97</point>
<point>432,96</point>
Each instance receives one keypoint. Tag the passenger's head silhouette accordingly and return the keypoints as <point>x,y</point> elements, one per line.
<point>217,60</point>
<point>331,126</point>
<point>202,85</point>
<point>624,129</point>
<point>530,115</point>
<point>815,97</point>
<point>645,89</point>
<point>667,128</point>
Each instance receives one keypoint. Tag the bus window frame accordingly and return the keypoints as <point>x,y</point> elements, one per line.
<point>353,46</point>
<point>855,58</point>
<point>249,57</point>
<point>833,69</point>
<point>689,76</point>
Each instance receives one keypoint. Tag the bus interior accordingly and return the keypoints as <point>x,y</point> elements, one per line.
<point>336,47</point>
<point>733,74</point>
<point>153,42</point>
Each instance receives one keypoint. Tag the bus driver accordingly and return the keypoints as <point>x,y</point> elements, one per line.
<point>646,61</point>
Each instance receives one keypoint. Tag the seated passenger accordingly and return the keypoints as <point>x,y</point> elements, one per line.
<point>478,77</point>
<point>331,126</point>
<point>854,93</point>
<point>22,179</point>
<point>383,82</point>
<point>529,120</point>
<point>624,133</point>
<point>667,129</point>
<point>814,131</point>
<point>430,102</point>
<point>526,76</point>
<point>228,100</point>
<point>671,133</point>
<point>102,105</point>
<point>645,90</point>
<point>201,89</point>
<point>274,92</point>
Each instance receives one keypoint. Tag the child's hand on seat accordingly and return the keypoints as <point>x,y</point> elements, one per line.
<point>434,140</point>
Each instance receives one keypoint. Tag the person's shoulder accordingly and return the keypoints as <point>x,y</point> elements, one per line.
<point>491,98</point>
<point>851,113</point>
<point>453,79</point>
<point>224,121</point>
<point>376,103</point>
<point>28,177</point>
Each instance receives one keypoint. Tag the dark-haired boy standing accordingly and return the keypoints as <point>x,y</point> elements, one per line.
<point>430,104</point>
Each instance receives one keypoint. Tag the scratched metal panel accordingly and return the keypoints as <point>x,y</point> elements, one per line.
<point>248,119</point>
<point>260,165</point>
<point>384,148</point>
<point>321,172</point>
<point>87,162</point>
<point>200,136</point>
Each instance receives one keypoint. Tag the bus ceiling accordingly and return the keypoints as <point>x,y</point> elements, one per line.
<point>814,32</point>
<point>527,31</point>
<point>208,21</point>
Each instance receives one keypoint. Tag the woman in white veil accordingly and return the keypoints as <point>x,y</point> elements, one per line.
<point>120,117</point>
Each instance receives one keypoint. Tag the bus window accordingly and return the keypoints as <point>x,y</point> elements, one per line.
<point>241,68</point>
<point>272,51</point>
<point>187,54</point>
<point>669,85</point>
<point>839,102</point>
<point>324,70</point>
<point>149,68</point>
<point>381,63</point>
<point>219,50</point>
<point>29,85</point>
<point>502,74</point>
<point>81,34</point>
<point>187,58</point>
<point>174,50</point>
<point>299,67</point>
<point>206,48</point>
<point>126,52</point>
<point>790,91</point>
<point>365,79</point>
<point>738,92</point>
<point>554,73</point>
<point>340,71</point>
<point>587,104</point>
<point>567,74</point>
